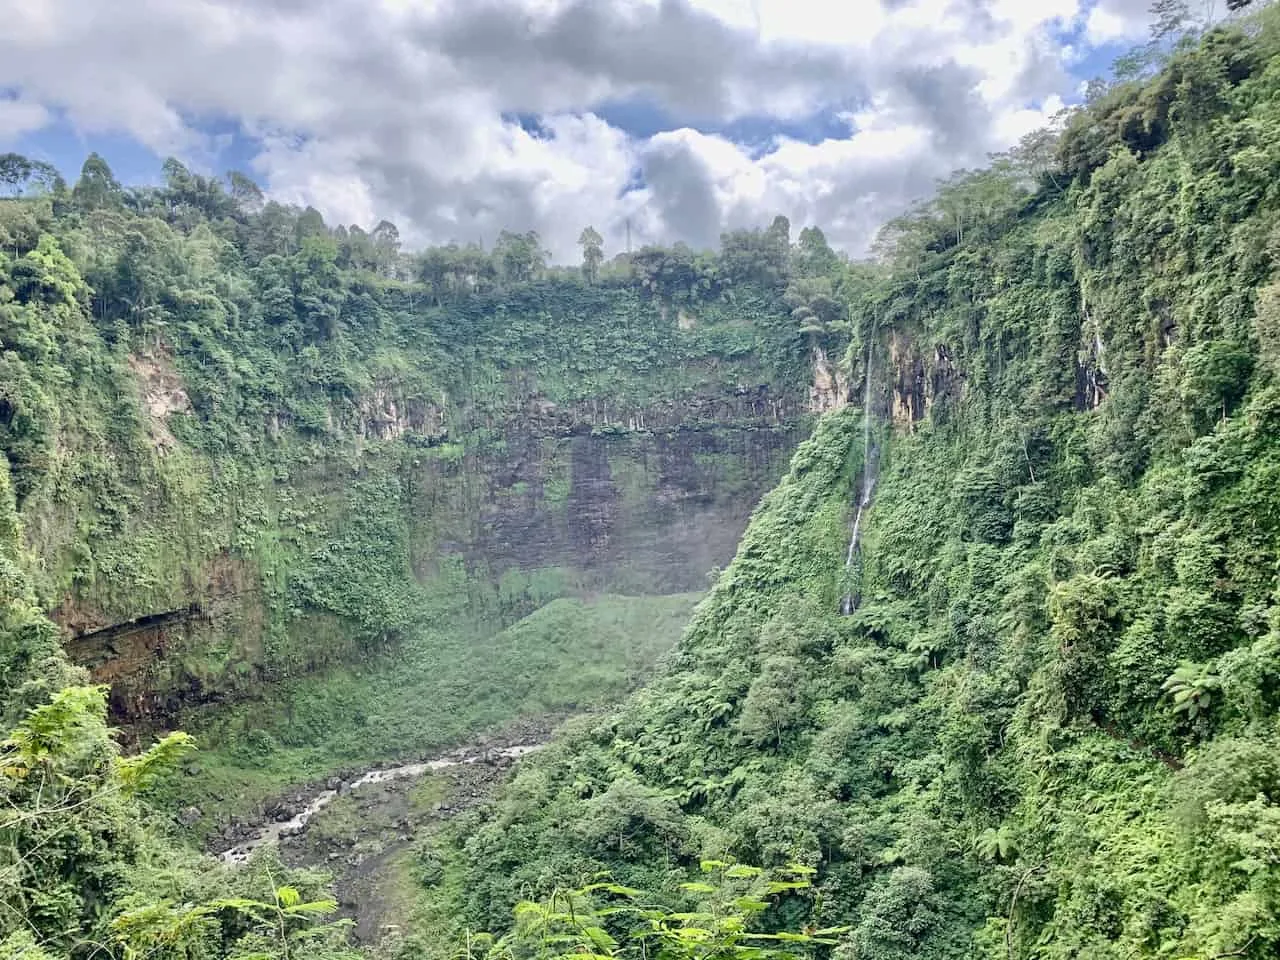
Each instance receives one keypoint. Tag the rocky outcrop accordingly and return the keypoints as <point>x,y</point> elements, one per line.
<point>830,388</point>
<point>142,657</point>
<point>385,413</point>
<point>919,378</point>
<point>162,394</point>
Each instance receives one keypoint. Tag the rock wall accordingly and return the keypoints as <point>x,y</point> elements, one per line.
<point>504,493</point>
<point>631,511</point>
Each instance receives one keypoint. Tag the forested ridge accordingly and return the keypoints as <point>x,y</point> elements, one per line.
<point>993,673</point>
<point>1049,726</point>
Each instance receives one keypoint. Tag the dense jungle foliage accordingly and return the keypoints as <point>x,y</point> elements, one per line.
<point>1049,728</point>
<point>276,478</point>
<point>340,470</point>
<point>283,438</point>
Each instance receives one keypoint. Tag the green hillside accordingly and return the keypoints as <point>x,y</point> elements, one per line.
<point>1049,726</point>
<point>993,674</point>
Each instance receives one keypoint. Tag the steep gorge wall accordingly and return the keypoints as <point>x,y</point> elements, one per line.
<point>463,486</point>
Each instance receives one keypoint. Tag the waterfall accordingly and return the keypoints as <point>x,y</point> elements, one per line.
<point>869,454</point>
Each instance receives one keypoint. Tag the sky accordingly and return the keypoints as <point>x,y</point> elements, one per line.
<point>456,119</point>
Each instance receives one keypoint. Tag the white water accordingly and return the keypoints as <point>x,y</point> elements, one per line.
<point>274,832</point>
<point>868,486</point>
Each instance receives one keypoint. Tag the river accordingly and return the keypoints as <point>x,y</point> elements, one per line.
<point>274,832</point>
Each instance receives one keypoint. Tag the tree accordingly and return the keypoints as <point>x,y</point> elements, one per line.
<point>897,915</point>
<point>310,224</point>
<point>14,170</point>
<point>68,824</point>
<point>592,253</point>
<point>774,704</point>
<point>813,256</point>
<point>675,273</point>
<point>756,256</point>
<point>814,305</point>
<point>779,234</point>
<point>273,231</point>
<point>629,814</point>
<point>191,198</point>
<point>520,256</point>
<point>246,194</point>
<point>386,247</point>
<point>18,173</point>
<point>97,186</point>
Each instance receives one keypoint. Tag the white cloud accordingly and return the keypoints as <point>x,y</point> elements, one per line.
<point>18,117</point>
<point>1118,21</point>
<point>1106,26</point>
<point>405,109</point>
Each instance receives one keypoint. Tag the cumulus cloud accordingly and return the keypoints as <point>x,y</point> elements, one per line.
<point>458,118</point>
<point>20,116</point>
<point>1118,21</point>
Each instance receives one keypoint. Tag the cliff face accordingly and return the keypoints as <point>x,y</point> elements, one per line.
<point>628,511</point>
<point>557,442</point>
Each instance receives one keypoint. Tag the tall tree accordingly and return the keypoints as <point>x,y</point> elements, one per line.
<point>246,194</point>
<point>780,232</point>
<point>813,256</point>
<point>386,246</point>
<point>592,253</point>
<point>18,173</point>
<point>520,255</point>
<point>97,186</point>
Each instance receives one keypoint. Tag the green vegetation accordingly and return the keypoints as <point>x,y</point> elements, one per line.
<point>327,503</point>
<point>1030,711</point>
<point>305,447</point>
<point>84,869</point>
<point>570,655</point>
<point>576,923</point>
<point>1049,728</point>
<point>284,484</point>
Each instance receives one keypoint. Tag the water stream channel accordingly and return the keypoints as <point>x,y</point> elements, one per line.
<point>274,832</point>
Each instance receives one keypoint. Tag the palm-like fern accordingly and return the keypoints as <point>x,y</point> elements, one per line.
<point>1192,686</point>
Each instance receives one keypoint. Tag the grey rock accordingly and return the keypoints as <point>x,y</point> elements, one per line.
<point>187,816</point>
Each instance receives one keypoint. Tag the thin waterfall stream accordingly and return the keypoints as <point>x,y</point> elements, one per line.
<point>853,558</point>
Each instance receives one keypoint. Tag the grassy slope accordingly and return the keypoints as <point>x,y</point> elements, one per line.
<point>435,691</point>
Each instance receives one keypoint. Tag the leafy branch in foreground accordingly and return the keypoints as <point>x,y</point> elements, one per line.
<point>79,874</point>
<point>605,920</point>
<point>280,928</point>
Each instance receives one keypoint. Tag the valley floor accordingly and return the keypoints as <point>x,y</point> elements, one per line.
<point>439,690</point>
<point>375,838</point>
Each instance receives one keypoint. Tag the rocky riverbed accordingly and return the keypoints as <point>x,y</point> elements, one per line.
<point>370,828</point>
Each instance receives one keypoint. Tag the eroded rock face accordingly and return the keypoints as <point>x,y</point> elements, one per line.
<point>387,414</point>
<point>162,394</point>
<point>631,511</point>
<point>139,656</point>
<point>830,388</point>
<point>919,379</point>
